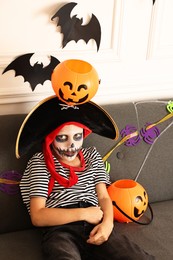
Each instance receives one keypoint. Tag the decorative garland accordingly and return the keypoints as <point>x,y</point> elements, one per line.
<point>131,136</point>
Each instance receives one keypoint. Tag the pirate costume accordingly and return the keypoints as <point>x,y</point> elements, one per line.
<point>65,186</point>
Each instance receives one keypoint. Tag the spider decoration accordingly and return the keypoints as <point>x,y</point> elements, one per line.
<point>170,106</point>
<point>9,182</point>
<point>149,135</point>
<point>127,131</point>
<point>107,167</point>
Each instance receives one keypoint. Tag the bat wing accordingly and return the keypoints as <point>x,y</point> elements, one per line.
<point>72,28</point>
<point>92,30</point>
<point>64,15</point>
<point>20,65</point>
<point>65,22</point>
<point>33,74</point>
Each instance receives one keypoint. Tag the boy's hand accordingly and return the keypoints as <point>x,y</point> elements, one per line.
<point>100,233</point>
<point>93,215</point>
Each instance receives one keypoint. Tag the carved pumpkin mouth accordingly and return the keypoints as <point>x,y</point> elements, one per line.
<point>136,212</point>
<point>71,100</point>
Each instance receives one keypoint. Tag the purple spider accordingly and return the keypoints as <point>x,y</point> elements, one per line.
<point>9,182</point>
<point>127,131</point>
<point>149,135</point>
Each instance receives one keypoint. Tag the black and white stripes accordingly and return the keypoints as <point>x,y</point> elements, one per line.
<point>36,177</point>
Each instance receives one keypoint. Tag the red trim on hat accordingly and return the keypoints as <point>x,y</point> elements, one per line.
<point>50,161</point>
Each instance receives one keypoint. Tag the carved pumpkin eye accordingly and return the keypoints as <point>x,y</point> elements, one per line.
<point>67,83</point>
<point>83,86</point>
<point>138,199</point>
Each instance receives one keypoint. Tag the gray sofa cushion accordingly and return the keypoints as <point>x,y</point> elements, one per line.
<point>21,245</point>
<point>155,238</point>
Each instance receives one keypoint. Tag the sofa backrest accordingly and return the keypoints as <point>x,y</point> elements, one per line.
<point>13,214</point>
<point>151,164</point>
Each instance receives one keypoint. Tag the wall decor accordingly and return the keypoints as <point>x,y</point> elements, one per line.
<point>36,74</point>
<point>72,28</point>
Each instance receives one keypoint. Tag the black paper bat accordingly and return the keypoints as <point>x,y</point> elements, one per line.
<point>36,74</point>
<point>72,28</point>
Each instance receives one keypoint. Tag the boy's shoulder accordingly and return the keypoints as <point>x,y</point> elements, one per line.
<point>91,151</point>
<point>39,156</point>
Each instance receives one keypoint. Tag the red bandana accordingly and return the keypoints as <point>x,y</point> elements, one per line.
<point>73,179</point>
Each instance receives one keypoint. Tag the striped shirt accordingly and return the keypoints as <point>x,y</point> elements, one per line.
<point>36,177</point>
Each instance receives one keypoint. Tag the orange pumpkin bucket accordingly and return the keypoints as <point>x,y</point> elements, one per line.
<point>129,199</point>
<point>75,81</point>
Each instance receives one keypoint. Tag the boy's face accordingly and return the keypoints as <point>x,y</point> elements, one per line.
<point>68,142</point>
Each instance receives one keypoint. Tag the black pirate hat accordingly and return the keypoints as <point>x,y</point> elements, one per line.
<point>50,113</point>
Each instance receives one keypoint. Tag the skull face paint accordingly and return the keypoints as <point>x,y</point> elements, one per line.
<point>68,142</point>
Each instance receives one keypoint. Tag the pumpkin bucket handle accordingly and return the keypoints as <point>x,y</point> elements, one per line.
<point>141,223</point>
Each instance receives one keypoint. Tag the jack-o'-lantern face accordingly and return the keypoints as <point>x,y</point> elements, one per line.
<point>140,204</point>
<point>130,197</point>
<point>74,81</point>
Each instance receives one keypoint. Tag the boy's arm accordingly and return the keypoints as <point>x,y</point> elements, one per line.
<point>102,231</point>
<point>105,202</point>
<point>43,216</point>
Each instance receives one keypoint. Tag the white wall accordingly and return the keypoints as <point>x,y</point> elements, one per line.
<point>135,58</point>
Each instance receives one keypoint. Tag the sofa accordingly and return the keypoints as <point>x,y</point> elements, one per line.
<point>146,158</point>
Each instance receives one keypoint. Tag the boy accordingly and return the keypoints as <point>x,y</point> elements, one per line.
<point>65,186</point>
